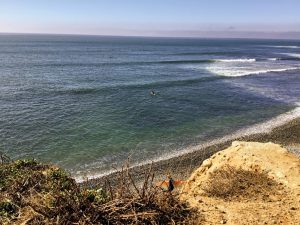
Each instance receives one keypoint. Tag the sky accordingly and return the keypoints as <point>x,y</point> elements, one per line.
<point>176,18</point>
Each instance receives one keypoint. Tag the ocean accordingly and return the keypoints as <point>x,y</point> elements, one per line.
<point>84,102</point>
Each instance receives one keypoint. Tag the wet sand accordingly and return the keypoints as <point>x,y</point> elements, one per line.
<point>180,167</point>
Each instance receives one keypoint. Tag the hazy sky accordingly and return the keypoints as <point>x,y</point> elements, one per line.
<point>153,17</point>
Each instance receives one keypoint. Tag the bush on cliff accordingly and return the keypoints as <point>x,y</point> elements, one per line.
<point>35,193</point>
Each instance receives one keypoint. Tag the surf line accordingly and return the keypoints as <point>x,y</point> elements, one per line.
<point>259,128</point>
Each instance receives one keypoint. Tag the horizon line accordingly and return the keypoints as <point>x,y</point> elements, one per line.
<point>171,36</point>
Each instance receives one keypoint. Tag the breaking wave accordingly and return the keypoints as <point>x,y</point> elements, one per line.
<point>230,72</point>
<point>283,46</point>
<point>295,55</point>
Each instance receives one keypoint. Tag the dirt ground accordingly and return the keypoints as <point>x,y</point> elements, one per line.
<point>247,183</point>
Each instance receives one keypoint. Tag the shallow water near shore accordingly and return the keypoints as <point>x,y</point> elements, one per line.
<point>84,103</point>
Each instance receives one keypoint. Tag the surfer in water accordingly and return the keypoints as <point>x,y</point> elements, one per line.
<point>152,93</point>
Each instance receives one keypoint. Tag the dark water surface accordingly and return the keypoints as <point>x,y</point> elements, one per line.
<point>84,103</point>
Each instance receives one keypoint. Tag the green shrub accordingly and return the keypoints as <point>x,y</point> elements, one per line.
<point>7,207</point>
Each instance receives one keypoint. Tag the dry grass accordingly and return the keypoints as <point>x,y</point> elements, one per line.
<point>34,193</point>
<point>230,183</point>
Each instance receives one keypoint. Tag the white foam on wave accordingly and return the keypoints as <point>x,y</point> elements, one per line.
<point>239,72</point>
<point>296,55</point>
<point>235,60</point>
<point>273,59</point>
<point>246,66</point>
<point>260,128</point>
<point>282,46</point>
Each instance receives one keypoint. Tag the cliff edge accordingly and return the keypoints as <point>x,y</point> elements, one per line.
<point>247,183</point>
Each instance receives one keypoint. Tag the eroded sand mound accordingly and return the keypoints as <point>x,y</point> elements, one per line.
<point>247,183</point>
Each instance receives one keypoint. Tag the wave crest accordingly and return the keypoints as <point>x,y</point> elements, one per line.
<point>240,73</point>
<point>282,46</point>
<point>235,60</point>
<point>295,55</point>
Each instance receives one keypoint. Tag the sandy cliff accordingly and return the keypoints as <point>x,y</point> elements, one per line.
<point>247,183</point>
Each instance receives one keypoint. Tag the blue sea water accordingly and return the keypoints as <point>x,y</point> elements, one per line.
<point>84,102</point>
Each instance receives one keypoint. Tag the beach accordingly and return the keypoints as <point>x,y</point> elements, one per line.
<point>286,132</point>
<point>139,112</point>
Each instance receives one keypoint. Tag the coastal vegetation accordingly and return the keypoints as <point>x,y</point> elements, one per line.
<point>35,193</point>
<point>247,183</point>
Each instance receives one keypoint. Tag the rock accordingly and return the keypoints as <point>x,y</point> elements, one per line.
<point>207,163</point>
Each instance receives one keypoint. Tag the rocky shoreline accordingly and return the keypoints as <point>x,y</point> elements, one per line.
<point>287,135</point>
